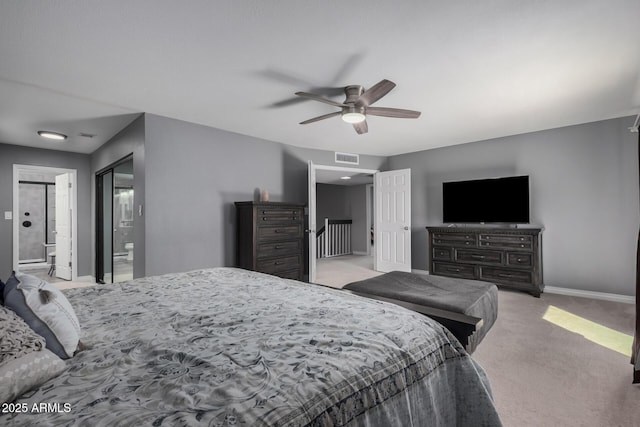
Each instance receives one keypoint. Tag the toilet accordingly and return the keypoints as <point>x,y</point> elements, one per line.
<point>129,248</point>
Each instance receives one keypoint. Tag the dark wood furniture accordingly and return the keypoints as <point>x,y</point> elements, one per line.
<point>270,238</point>
<point>508,257</point>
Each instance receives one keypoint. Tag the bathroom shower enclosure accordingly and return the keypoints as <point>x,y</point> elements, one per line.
<point>37,220</point>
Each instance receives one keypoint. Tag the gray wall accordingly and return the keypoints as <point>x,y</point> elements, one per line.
<point>584,191</point>
<point>129,141</point>
<point>194,174</point>
<point>331,202</point>
<point>360,234</point>
<point>13,154</point>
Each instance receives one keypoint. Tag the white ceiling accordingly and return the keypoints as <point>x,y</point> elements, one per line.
<point>476,69</point>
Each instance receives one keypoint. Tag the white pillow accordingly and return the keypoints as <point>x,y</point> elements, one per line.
<point>46,310</point>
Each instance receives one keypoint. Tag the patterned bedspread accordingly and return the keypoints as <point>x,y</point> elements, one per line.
<point>226,346</point>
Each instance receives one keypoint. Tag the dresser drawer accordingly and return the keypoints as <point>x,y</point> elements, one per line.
<point>275,216</point>
<point>523,259</point>
<point>290,274</point>
<point>506,275</point>
<point>454,239</point>
<point>271,249</point>
<point>280,232</point>
<point>274,265</point>
<point>520,241</point>
<point>442,254</point>
<point>479,256</point>
<point>454,270</point>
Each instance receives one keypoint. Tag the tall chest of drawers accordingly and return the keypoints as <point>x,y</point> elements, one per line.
<point>508,257</point>
<point>270,238</point>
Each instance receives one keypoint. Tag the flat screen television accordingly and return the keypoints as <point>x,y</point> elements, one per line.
<point>495,200</point>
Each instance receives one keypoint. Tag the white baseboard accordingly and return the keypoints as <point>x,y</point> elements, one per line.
<point>85,279</point>
<point>362,253</point>
<point>627,299</point>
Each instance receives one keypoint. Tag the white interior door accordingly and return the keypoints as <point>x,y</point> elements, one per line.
<point>393,220</point>
<point>63,226</point>
<point>312,221</point>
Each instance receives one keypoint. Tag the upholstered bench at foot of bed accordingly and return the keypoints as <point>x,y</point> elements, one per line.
<point>468,308</point>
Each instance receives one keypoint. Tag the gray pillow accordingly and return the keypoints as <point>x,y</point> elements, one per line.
<point>46,310</point>
<point>25,363</point>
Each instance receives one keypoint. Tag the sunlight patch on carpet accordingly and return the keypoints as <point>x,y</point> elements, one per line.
<point>601,335</point>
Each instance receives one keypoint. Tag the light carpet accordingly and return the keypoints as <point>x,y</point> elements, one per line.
<point>540,356</point>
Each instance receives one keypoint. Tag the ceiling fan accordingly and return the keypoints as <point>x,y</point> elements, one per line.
<point>358,103</point>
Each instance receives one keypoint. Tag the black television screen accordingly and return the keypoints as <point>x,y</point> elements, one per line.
<point>496,200</point>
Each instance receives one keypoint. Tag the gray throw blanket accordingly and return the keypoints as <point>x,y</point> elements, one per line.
<point>470,297</point>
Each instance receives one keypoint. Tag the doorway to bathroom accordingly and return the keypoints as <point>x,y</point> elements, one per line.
<point>114,222</point>
<point>45,221</point>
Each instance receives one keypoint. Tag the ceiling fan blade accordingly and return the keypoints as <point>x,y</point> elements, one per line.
<point>361,127</point>
<point>319,98</point>
<point>325,116</point>
<point>324,90</point>
<point>375,92</point>
<point>287,102</point>
<point>393,112</point>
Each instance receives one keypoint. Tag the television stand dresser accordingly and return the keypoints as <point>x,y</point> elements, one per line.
<point>509,257</point>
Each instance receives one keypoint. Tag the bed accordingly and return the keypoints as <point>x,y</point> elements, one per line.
<point>226,346</point>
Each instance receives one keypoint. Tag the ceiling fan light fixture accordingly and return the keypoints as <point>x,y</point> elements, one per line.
<point>353,117</point>
<point>52,135</point>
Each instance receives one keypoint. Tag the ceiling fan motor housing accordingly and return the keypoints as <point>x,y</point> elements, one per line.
<point>353,92</point>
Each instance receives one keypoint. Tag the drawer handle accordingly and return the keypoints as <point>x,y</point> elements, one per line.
<point>466,237</point>
<point>277,231</point>
<point>477,256</point>
<point>519,260</point>
<point>467,243</point>
<point>506,276</point>
<point>522,246</point>
<point>455,270</point>
<point>278,263</point>
<point>279,246</point>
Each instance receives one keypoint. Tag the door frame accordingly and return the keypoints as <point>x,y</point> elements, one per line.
<point>99,220</point>
<point>312,204</point>
<point>17,169</point>
<point>370,218</point>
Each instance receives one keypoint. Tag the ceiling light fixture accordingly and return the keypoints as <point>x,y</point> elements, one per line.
<point>345,177</point>
<point>353,114</point>
<point>52,135</point>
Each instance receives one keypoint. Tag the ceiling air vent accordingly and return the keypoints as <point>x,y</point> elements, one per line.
<point>351,159</point>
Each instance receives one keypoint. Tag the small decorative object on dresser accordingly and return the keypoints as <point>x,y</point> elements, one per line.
<point>270,238</point>
<point>508,257</point>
